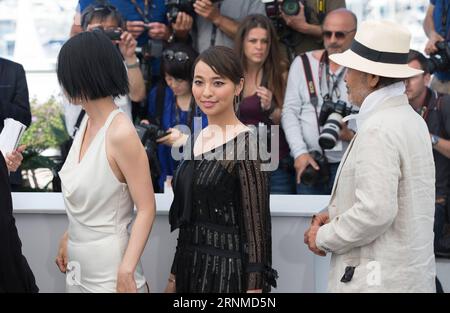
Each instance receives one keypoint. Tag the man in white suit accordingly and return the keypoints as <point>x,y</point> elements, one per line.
<point>379,223</point>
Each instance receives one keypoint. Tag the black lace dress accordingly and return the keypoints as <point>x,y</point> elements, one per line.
<point>221,208</point>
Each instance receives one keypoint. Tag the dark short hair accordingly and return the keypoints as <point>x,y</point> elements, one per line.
<point>223,61</point>
<point>415,55</point>
<point>101,12</point>
<point>90,67</point>
<point>179,69</point>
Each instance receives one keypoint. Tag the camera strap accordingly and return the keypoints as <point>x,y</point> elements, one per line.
<point>433,102</point>
<point>444,18</point>
<point>321,10</point>
<point>309,80</point>
<point>311,89</point>
<point>335,80</point>
<point>214,30</point>
<point>143,14</point>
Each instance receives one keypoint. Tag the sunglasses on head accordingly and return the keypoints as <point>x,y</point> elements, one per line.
<point>179,56</point>
<point>339,34</point>
<point>104,7</point>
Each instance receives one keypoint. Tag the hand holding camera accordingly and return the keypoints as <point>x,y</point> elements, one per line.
<point>158,31</point>
<point>136,28</point>
<point>301,163</point>
<point>127,46</point>
<point>174,138</point>
<point>183,23</point>
<point>431,47</point>
<point>206,9</point>
<point>293,13</point>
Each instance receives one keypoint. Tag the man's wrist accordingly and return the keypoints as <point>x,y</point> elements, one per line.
<point>217,20</point>
<point>301,27</point>
<point>434,140</point>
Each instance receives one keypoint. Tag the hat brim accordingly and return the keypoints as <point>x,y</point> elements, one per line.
<point>354,61</point>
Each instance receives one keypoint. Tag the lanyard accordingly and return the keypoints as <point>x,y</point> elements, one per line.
<point>425,109</point>
<point>335,79</point>
<point>143,14</point>
<point>214,31</point>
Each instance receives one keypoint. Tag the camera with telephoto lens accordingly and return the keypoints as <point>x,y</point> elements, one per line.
<point>311,176</point>
<point>439,61</point>
<point>148,134</point>
<point>288,7</point>
<point>176,6</point>
<point>330,118</point>
<point>153,48</point>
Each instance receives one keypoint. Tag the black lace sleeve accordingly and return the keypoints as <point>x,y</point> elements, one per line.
<point>254,186</point>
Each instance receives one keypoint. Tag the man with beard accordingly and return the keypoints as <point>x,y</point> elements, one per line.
<point>305,96</point>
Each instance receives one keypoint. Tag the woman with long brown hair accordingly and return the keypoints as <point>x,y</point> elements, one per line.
<point>265,73</point>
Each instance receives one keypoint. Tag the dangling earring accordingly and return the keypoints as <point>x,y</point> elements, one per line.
<point>236,103</point>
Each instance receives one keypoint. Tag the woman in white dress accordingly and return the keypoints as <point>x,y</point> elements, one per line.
<point>105,175</point>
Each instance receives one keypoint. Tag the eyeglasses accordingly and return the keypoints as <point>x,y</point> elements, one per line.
<point>339,34</point>
<point>179,56</point>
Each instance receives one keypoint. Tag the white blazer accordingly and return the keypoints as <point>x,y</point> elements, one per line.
<point>382,206</point>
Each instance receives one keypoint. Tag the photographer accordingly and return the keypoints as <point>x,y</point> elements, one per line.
<point>171,103</point>
<point>217,22</point>
<point>300,115</point>
<point>147,19</point>
<point>435,109</point>
<point>107,19</point>
<point>307,23</point>
<point>436,26</point>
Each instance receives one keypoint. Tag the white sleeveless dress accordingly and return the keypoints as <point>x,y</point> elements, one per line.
<point>100,209</point>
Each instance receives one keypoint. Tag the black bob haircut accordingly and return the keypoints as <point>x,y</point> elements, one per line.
<point>90,67</point>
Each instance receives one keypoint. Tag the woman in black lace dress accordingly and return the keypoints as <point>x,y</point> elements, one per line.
<point>221,203</point>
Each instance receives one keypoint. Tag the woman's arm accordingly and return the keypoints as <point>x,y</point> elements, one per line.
<point>254,187</point>
<point>62,258</point>
<point>131,159</point>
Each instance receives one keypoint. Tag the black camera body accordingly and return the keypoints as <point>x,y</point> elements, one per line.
<point>112,34</point>
<point>153,48</point>
<point>439,61</point>
<point>176,6</point>
<point>310,176</point>
<point>274,8</point>
<point>330,118</point>
<point>149,132</point>
<point>286,35</point>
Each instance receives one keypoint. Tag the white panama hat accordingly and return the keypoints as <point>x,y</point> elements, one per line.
<point>379,48</point>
